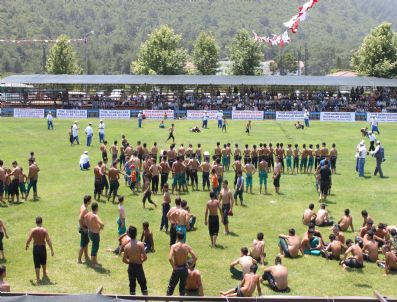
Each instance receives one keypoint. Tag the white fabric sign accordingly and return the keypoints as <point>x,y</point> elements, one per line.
<point>247,115</point>
<point>337,116</point>
<point>114,114</point>
<point>74,114</point>
<point>159,114</point>
<point>289,115</point>
<point>383,117</point>
<point>28,113</point>
<point>198,114</point>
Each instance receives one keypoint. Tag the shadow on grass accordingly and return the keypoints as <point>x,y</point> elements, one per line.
<point>279,193</point>
<point>286,291</point>
<point>43,282</point>
<point>219,246</point>
<point>362,285</point>
<point>98,269</point>
<point>233,234</point>
<point>328,201</point>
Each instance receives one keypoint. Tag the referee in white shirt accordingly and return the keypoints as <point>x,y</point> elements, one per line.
<point>49,121</point>
<point>101,131</point>
<point>372,139</point>
<point>89,132</point>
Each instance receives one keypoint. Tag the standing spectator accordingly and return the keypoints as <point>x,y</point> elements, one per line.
<point>379,154</point>
<point>219,117</point>
<point>75,134</point>
<point>140,118</point>
<point>374,124</point>
<point>205,121</point>
<point>40,238</point>
<point>306,118</point>
<point>101,131</point>
<point>3,233</point>
<point>49,121</point>
<point>372,139</point>
<point>89,132</point>
<point>362,153</point>
<point>95,225</point>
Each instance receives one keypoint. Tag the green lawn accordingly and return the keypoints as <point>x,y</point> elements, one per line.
<point>62,186</point>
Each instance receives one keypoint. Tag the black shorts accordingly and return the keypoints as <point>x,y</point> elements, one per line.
<point>14,187</point>
<point>39,255</point>
<point>213,225</point>
<point>333,162</point>
<point>353,263</point>
<point>1,188</point>
<point>276,181</point>
<point>324,187</point>
<point>1,241</point>
<point>98,186</point>
<point>104,156</point>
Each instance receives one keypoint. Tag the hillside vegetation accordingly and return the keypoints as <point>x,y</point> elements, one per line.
<point>332,31</point>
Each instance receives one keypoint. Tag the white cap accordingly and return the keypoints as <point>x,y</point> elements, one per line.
<point>378,142</point>
<point>89,123</point>
<point>75,122</point>
<point>85,152</point>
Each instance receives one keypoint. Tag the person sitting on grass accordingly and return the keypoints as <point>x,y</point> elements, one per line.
<point>290,245</point>
<point>147,238</point>
<point>195,129</point>
<point>364,132</point>
<point>322,218</point>
<point>333,250</point>
<point>298,125</point>
<point>194,286</point>
<point>308,214</point>
<point>247,286</point>
<point>277,276</point>
<point>390,262</point>
<point>357,258</point>
<point>4,286</point>
<point>371,248</point>
<point>162,126</point>
<point>346,221</point>
<point>258,249</point>
<point>311,244</point>
<point>84,161</point>
<point>245,262</point>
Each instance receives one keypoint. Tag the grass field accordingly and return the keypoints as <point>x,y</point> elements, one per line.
<point>62,186</point>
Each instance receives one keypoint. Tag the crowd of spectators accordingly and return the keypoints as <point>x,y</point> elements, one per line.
<point>355,100</point>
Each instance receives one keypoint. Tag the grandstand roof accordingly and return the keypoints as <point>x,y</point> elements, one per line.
<point>186,80</point>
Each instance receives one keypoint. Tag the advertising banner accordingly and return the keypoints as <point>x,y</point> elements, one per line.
<point>198,114</point>
<point>114,114</point>
<point>28,113</point>
<point>71,113</point>
<point>289,115</point>
<point>383,117</point>
<point>159,114</point>
<point>337,116</point>
<point>247,115</point>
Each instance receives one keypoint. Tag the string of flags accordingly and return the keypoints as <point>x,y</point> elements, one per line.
<point>291,25</point>
<point>38,41</point>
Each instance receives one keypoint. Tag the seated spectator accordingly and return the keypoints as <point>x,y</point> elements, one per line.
<point>322,218</point>
<point>84,161</point>
<point>277,276</point>
<point>245,262</point>
<point>298,125</point>
<point>247,287</point>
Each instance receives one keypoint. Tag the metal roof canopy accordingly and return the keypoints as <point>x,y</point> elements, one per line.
<point>186,80</point>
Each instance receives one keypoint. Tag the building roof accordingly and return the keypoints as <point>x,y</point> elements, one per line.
<point>193,80</point>
<point>344,73</point>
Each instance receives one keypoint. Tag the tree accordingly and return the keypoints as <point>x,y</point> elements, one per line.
<point>161,53</point>
<point>205,54</point>
<point>284,62</point>
<point>62,58</point>
<point>245,54</point>
<point>377,56</point>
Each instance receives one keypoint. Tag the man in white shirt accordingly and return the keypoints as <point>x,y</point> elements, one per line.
<point>379,155</point>
<point>205,121</point>
<point>49,121</point>
<point>362,154</point>
<point>140,118</point>
<point>219,117</point>
<point>89,132</point>
<point>306,118</point>
<point>101,131</point>
<point>372,139</point>
<point>84,161</point>
<point>75,133</point>
<point>374,125</point>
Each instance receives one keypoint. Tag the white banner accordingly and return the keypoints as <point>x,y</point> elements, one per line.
<point>247,115</point>
<point>69,113</point>
<point>159,114</point>
<point>198,114</point>
<point>290,115</point>
<point>383,117</point>
<point>114,114</point>
<point>28,113</point>
<point>337,116</point>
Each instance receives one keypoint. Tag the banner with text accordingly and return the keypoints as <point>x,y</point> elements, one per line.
<point>28,113</point>
<point>383,117</point>
<point>289,115</point>
<point>198,114</point>
<point>337,116</point>
<point>70,113</point>
<point>114,114</point>
<point>247,115</point>
<point>159,114</point>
